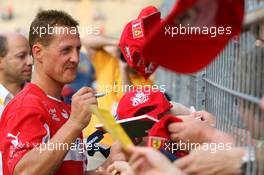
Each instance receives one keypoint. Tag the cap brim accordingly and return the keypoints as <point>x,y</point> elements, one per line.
<point>190,53</point>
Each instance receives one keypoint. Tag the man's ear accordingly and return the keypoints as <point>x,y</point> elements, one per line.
<point>37,52</point>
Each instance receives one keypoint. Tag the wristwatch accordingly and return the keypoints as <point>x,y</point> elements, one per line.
<point>248,160</point>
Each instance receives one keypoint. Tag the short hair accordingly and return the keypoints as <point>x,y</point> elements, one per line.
<point>3,46</point>
<point>49,18</point>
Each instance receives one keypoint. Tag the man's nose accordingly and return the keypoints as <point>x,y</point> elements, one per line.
<point>75,57</point>
<point>29,60</point>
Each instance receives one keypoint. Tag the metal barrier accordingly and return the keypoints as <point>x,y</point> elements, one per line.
<point>230,87</point>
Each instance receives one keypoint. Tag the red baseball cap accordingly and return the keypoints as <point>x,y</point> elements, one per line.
<point>133,37</point>
<point>174,43</point>
<point>142,101</point>
<point>160,129</point>
<point>160,132</point>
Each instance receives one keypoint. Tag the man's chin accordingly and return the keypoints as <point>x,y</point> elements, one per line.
<point>69,80</point>
<point>26,78</point>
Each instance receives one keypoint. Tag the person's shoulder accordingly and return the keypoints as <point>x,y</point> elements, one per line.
<point>3,92</point>
<point>28,102</point>
<point>30,96</point>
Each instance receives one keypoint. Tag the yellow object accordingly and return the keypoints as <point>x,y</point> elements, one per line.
<point>1,101</point>
<point>107,74</point>
<point>115,129</point>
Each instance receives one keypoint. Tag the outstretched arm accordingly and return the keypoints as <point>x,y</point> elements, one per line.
<point>97,42</point>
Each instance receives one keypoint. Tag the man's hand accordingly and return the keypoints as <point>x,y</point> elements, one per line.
<point>205,116</point>
<point>122,167</point>
<point>141,160</point>
<point>204,162</point>
<point>149,161</point>
<point>191,130</point>
<point>194,130</point>
<point>179,109</point>
<point>116,153</point>
<point>80,112</point>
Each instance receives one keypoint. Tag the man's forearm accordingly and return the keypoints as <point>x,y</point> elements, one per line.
<point>98,42</point>
<point>220,137</point>
<point>41,160</point>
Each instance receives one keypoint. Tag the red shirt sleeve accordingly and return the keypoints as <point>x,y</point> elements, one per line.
<point>25,130</point>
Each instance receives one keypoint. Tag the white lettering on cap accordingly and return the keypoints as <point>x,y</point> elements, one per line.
<point>139,98</point>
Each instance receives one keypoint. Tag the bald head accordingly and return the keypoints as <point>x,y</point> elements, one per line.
<point>15,60</point>
<point>10,39</point>
<point>12,34</point>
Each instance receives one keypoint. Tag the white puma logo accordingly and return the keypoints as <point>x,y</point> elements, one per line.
<point>15,138</point>
<point>64,114</point>
<point>54,115</point>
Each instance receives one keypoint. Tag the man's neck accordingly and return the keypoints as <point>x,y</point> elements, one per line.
<point>13,88</point>
<point>49,86</point>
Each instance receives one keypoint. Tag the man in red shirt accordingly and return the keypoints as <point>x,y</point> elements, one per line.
<point>39,133</point>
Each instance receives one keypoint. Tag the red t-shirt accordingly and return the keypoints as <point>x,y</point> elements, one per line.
<point>32,118</point>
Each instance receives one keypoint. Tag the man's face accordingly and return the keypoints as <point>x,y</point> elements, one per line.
<point>61,57</point>
<point>17,64</point>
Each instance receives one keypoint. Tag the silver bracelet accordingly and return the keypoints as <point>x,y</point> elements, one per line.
<point>249,159</point>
